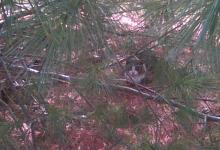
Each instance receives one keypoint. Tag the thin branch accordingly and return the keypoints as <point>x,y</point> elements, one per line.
<point>201,99</point>
<point>155,96</point>
<point>143,49</point>
<point>10,79</point>
<point>128,33</point>
<point>10,110</point>
<point>3,11</point>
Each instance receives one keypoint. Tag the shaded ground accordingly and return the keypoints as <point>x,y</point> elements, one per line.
<point>130,119</point>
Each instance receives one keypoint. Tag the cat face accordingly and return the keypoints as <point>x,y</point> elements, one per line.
<point>135,70</point>
<point>134,63</point>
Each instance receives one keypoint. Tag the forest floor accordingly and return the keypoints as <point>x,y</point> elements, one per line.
<point>86,133</point>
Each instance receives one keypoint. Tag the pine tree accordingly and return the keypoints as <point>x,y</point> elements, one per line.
<point>78,43</point>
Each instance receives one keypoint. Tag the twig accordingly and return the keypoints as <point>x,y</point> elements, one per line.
<point>9,109</point>
<point>127,33</point>
<point>154,96</point>
<point>141,50</point>
<point>201,99</point>
<point>9,77</point>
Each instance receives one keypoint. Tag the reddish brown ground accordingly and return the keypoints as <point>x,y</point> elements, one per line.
<point>86,134</point>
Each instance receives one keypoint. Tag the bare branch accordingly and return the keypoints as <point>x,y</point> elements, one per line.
<point>155,96</point>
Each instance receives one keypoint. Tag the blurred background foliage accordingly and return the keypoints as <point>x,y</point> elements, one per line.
<point>39,39</point>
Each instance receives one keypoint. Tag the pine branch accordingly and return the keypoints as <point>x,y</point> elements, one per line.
<point>143,49</point>
<point>10,79</point>
<point>160,99</point>
<point>155,96</point>
<point>9,109</point>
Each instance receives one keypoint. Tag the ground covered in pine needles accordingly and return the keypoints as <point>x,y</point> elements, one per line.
<point>117,119</point>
